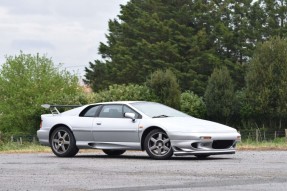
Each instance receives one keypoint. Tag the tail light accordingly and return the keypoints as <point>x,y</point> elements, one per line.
<point>41,124</point>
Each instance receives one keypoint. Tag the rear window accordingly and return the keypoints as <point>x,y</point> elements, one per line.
<point>90,111</point>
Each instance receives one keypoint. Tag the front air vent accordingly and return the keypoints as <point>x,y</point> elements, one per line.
<point>222,144</point>
<point>194,145</point>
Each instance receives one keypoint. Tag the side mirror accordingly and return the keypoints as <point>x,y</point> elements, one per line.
<point>131,116</point>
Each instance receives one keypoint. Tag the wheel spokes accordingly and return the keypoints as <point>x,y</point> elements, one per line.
<point>165,148</point>
<point>159,150</point>
<point>61,143</point>
<point>56,146</point>
<point>153,140</point>
<point>166,141</point>
<point>159,144</point>
<point>153,148</point>
<point>59,135</point>
<point>65,135</point>
<point>63,148</point>
<point>66,142</point>
<point>159,136</point>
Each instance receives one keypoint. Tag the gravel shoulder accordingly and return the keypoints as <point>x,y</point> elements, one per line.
<point>246,170</point>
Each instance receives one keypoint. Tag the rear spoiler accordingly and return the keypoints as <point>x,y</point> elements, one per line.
<point>54,110</point>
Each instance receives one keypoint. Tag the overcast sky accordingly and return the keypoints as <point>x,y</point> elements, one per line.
<point>68,31</point>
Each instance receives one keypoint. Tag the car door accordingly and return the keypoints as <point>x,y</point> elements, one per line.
<point>113,130</point>
<point>83,124</point>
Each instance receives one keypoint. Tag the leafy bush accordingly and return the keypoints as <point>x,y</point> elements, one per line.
<point>129,92</point>
<point>26,82</point>
<point>192,104</point>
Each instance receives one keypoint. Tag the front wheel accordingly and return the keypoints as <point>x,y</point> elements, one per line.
<point>114,152</point>
<point>157,145</point>
<point>63,143</point>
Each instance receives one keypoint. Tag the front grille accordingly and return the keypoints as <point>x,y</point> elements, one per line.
<point>222,144</point>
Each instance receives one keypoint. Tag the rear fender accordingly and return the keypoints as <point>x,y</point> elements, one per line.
<point>59,125</point>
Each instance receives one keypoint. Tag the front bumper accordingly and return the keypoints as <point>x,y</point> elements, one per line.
<point>193,144</point>
<point>179,153</point>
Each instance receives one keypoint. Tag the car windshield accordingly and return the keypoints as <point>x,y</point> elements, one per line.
<point>157,110</point>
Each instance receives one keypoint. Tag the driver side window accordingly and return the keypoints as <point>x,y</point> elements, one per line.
<point>111,111</point>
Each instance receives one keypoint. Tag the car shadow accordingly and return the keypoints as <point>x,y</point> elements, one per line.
<point>146,157</point>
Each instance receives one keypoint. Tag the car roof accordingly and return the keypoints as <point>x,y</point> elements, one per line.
<point>117,102</point>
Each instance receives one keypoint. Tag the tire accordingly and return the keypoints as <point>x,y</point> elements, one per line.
<point>63,142</point>
<point>113,152</point>
<point>157,145</point>
<point>202,156</point>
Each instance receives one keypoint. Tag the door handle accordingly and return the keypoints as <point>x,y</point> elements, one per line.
<point>98,123</point>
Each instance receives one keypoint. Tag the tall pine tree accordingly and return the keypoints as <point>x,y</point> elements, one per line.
<point>191,37</point>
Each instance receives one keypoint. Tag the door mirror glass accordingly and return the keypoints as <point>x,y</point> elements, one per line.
<point>127,109</point>
<point>130,115</point>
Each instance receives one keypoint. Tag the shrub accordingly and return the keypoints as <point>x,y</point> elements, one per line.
<point>192,104</point>
<point>26,82</point>
<point>129,92</point>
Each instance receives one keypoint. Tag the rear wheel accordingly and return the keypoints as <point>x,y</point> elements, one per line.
<point>157,145</point>
<point>114,152</point>
<point>63,143</point>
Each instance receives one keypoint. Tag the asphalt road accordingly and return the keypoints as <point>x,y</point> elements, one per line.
<point>134,171</point>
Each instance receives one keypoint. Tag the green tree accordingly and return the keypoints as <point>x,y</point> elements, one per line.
<point>26,82</point>
<point>192,104</point>
<point>219,95</point>
<point>164,85</point>
<point>275,17</point>
<point>266,81</point>
<point>98,79</point>
<point>156,34</point>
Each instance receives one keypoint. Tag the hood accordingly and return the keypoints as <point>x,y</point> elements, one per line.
<point>193,125</point>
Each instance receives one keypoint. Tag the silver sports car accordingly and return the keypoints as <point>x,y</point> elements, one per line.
<point>116,127</point>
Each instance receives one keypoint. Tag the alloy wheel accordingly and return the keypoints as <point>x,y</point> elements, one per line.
<point>159,144</point>
<point>61,141</point>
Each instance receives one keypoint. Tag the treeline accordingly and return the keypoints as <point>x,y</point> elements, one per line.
<point>190,37</point>
<point>214,49</point>
<point>28,81</point>
<point>220,60</point>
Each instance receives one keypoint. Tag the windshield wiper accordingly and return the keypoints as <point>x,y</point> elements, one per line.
<point>160,116</point>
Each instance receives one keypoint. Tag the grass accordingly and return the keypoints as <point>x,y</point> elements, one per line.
<point>277,144</point>
<point>14,147</point>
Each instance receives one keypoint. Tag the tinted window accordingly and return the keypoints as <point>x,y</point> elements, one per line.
<point>91,112</point>
<point>112,111</point>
